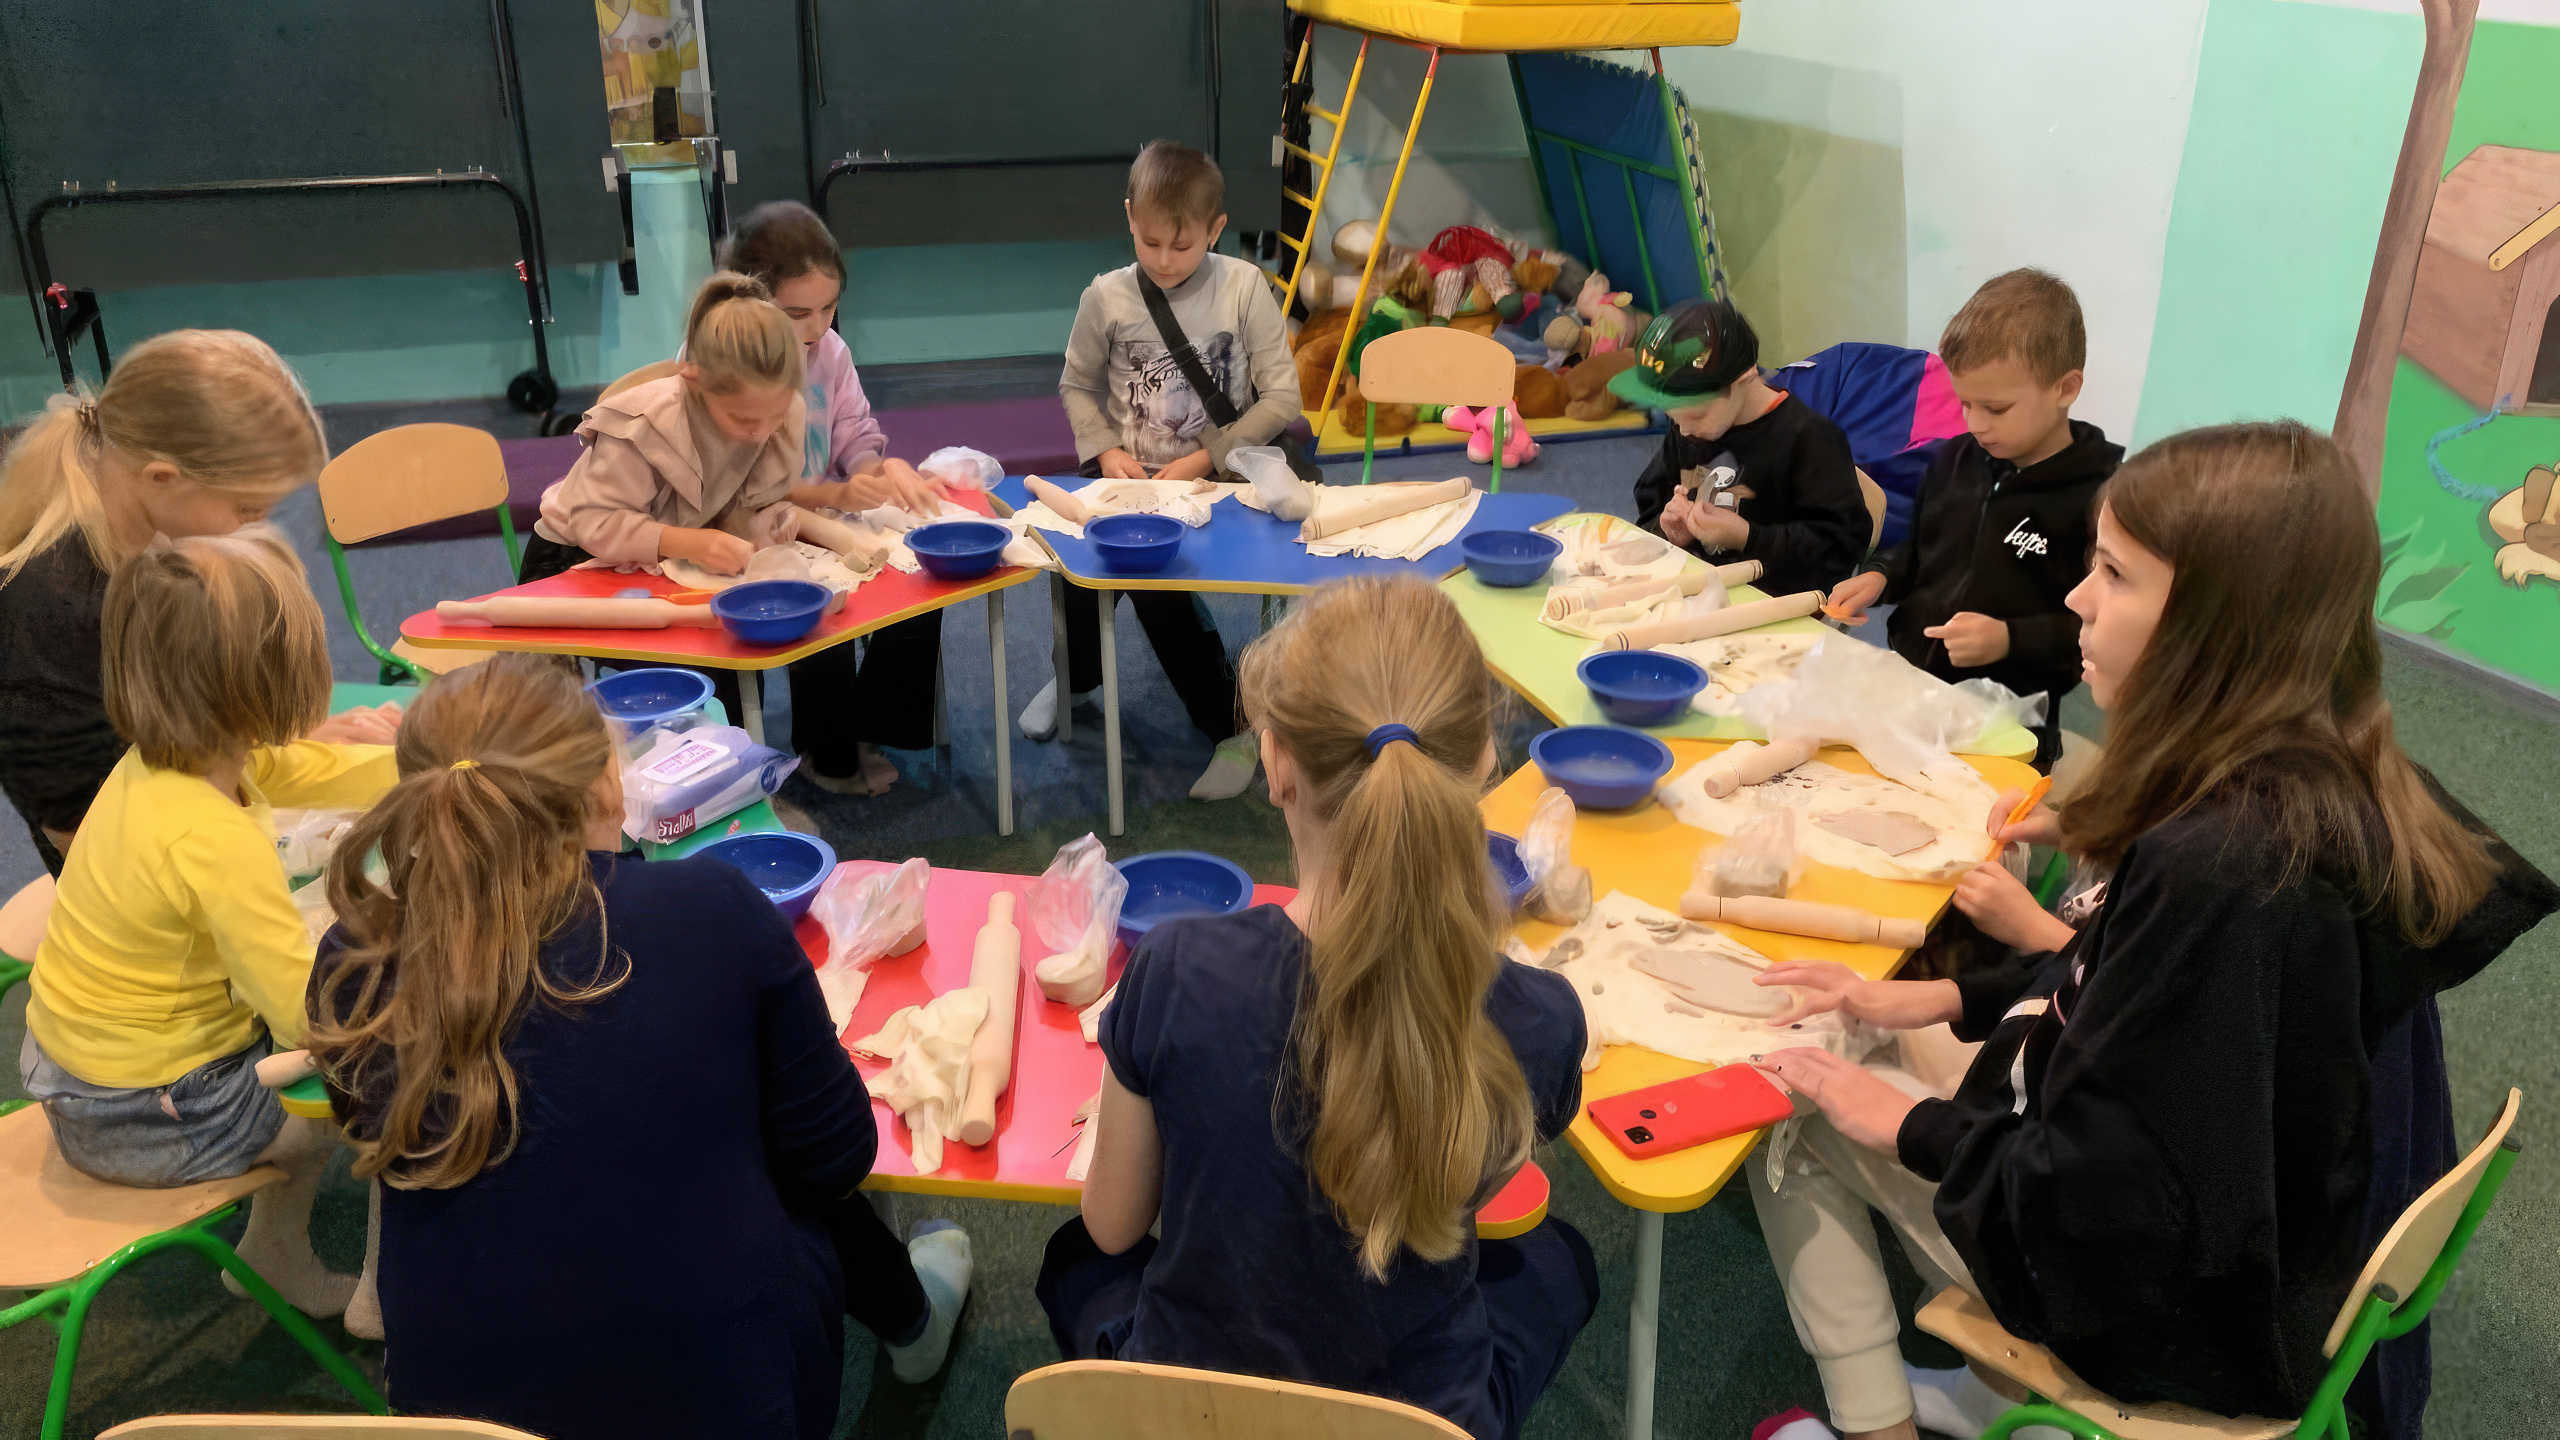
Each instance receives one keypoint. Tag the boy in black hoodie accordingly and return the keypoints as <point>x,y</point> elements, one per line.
<point>2001,531</point>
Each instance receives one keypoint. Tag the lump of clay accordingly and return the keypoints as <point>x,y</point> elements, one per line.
<point>1890,831</point>
<point>1717,982</point>
<point>1074,977</point>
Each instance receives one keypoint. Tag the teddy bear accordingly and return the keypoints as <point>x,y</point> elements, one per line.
<point>1518,446</point>
<point>1538,391</point>
<point>1319,341</point>
<point>1587,394</point>
<point>2528,519</point>
<point>1392,419</point>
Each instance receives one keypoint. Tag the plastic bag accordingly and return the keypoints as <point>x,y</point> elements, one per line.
<point>959,465</point>
<point>866,916</point>
<point>1559,890</point>
<point>1075,911</point>
<point>305,839</point>
<point>1266,468</point>
<point>1759,858</point>
<point>779,562</point>
<point>682,781</point>
<point>1904,720</point>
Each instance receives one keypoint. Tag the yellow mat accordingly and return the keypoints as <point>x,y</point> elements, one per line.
<point>1533,24</point>
<point>1333,439</point>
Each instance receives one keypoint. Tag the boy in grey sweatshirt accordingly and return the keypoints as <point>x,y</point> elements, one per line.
<point>1136,416</point>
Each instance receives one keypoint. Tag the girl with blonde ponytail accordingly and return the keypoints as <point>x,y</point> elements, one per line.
<point>1314,1099</point>
<point>612,1124</point>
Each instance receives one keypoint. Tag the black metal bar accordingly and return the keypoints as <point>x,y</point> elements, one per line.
<point>885,166</point>
<point>9,207</point>
<point>216,189</point>
<point>511,103</point>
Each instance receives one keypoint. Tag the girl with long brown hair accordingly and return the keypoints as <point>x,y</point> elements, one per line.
<point>1314,1099</point>
<point>614,1129</point>
<point>2185,1130</point>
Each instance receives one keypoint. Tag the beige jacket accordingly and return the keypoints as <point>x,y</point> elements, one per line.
<point>640,474</point>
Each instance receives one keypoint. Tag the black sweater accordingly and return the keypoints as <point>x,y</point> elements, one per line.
<point>2175,1204</point>
<point>2003,541</point>
<point>1798,488</point>
<point>56,746</point>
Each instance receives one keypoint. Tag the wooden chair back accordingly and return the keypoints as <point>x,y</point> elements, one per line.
<point>1873,494</point>
<point>1121,1400</point>
<point>1436,365</point>
<point>654,370</point>
<point>310,1427</point>
<point>411,475</point>
<point>22,919</point>
<point>2409,1251</point>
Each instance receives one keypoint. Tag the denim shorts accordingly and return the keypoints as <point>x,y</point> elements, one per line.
<point>208,1124</point>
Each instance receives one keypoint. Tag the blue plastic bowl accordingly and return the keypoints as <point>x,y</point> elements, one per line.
<point>785,864</point>
<point>1171,883</point>
<point>1641,687</point>
<point>1510,558</point>
<point>1505,853</point>
<point>958,549</point>
<point>642,698</point>
<point>771,612</point>
<point>1601,766</point>
<point>1136,544</point>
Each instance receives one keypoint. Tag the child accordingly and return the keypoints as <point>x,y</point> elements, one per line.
<point>2178,1143</point>
<point>1313,1100</point>
<point>2000,532</point>
<point>175,959</point>
<point>890,700</point>
<point>1748,472</point>
<point>701,465</point>
<point>614,1128</point>
<point>1136,415</point>
<point>197,432</point>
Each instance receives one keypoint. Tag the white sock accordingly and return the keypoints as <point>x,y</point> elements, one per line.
<point>940,1252</point>
<point>1956,1402</point>
<point>1040,717</point>
<point>1230,770</point>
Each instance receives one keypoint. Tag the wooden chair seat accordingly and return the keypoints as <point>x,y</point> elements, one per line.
<point>309,1427</point>
<point>62,1224</point>
<point>1959,1317</point>
<point>438,661</point>
<point>1121,1400</point>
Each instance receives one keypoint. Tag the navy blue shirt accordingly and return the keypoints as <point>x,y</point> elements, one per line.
<point>1254,1275</point>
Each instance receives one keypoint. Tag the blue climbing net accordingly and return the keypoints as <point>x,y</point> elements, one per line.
<point>2452,484</point>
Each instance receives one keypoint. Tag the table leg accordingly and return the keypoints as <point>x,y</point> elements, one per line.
<point>942,706</point>
<point>751,701</point>
<point>1004,719</point>
<point>1107,601</point>
<point>1058,656</point>
<point>1644,1319</point>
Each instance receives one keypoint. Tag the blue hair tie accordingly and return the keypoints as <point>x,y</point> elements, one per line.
<point>1386,735</point>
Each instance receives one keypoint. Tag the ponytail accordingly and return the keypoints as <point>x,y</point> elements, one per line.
<point>1411,1106</point>
<point>482,852</point>
<point>736,338</point>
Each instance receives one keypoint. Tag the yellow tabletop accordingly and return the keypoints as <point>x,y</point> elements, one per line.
<point>1649,854</point>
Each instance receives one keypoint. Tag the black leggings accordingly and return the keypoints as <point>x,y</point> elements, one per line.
<point>881,1291</point>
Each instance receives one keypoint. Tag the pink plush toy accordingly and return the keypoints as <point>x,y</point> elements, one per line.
<point>1605,320</point>
<point>1518,446</point>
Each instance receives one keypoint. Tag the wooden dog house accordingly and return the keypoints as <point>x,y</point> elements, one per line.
<point>2482,319</point>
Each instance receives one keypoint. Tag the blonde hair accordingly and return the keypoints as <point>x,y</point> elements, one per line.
<point>2263,682</point>
<point>220,405</point>
<point>1177,183</point>
<point>2028,316</point>
<point>736,338</point>
<point>483,843</point>
<point>1412,1106</point>
<point>211,646</point>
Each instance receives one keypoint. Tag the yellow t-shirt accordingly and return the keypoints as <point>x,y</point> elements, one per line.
<point>173,933</point>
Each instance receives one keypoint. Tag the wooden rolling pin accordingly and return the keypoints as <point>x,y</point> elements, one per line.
<point>1740,572</point>
<point>574,612</point>
<point>1065,506</point>
<point>1804,917</point>
<point>996,968</point>
<point>1681,628</point>
<point>861,548</point>
<point>1345,507</point>
<point>1749,764</point>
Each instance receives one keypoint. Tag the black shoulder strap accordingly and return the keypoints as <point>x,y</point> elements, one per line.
<point>1213,397</point>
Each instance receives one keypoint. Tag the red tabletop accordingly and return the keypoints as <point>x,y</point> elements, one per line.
<point>883,600</point>
<point>1054,1070</point>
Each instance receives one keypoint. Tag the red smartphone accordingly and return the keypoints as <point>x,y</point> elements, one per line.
<point>1692,1110</point>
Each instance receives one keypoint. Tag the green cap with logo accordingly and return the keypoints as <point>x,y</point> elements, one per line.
<point>1688,356</point>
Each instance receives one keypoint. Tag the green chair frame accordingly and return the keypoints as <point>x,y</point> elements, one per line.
<point>2384,1316</point>
<point>73,1298</point>
<point>396,669</point>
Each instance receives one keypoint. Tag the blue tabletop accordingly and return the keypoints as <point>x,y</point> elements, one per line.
<point>1242,549</point>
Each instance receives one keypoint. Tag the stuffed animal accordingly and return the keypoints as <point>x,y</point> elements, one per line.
<point>1570,273</point>
<point>1606,321</point>
<point>1319,341</point>
<point>1563,337</point>
<point>1392,419</point>
<point>1538,391</point>
<point>1519,447</point>
<point>1586,385</point>
<point>1536,272</point>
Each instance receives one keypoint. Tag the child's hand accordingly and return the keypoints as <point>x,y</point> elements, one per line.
<point>894,483</point>
<point>1119,464</point>
<point>1851,597</point>
<point>1859,1104</point>
<point>1194,466</point>
<point>717,551</point>
<point>2043,826</point>
<point>360,725</point>
<point>1717,528</point>
<point>2001,908</point>
<point>1675,519</point>
<point>1826,985</point>
<point>1972,639</point>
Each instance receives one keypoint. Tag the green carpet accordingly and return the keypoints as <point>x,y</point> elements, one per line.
<point>165,1337</point>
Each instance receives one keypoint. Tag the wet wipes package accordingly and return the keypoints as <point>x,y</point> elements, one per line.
<point>680,781</point>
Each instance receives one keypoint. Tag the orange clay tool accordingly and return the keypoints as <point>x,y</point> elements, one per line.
<point>2035,793</point>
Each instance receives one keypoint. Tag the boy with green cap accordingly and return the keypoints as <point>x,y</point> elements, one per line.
<point>1747,472</point>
